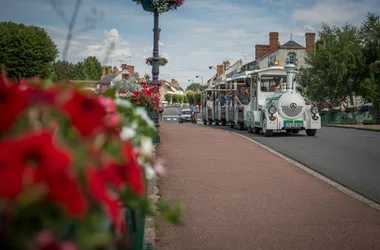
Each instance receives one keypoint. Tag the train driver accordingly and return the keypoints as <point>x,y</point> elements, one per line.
<point>242,97</point>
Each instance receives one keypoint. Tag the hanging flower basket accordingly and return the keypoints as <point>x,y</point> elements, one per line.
<point>161,61</point>
<point>375,66</point>
<point>159,5</point>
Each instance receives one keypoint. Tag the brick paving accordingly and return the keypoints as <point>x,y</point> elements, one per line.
<point>239,196</point>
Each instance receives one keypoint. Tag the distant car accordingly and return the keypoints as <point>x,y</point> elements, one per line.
<point>184,116</point>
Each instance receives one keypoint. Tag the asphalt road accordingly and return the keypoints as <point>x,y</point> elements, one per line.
<point>348,156</point>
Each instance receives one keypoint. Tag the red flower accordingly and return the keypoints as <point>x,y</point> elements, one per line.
<point>12,103</point>
<point>11,171</point>
<point>48,164</point>
<point>122,92</point>
<point>134,175</point>
<point>86,113</point>
<point>98,187</point>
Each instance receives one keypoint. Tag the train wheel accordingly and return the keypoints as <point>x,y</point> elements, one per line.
<point>209,122</point>
<point>311,132</point>
<point>231,125</point>
<point>204,123</point>
<point>289,131</point>
<point>256,130</point>
<point>250,130</point>
<point>266,132</point>
<point>241,126</point>
<point>216,123</point>
<point>224,123</point>
<point>295,131</point>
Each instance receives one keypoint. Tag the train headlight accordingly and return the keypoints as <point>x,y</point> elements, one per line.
<point>272,110</point>
<point>314,110</point>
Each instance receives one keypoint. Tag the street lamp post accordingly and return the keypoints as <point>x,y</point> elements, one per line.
<point>201,78</point>
<point>149,7</point>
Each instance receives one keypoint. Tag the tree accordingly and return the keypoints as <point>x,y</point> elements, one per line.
<point>190,97</point>
<point>196,87</point>
<point>63,70</point>
<point>337,68</point>
<point>369,31</point>
<point>78,71</point>
<point>185,99</point>
<point>26,51</point>
<point>168,97</point>
<point>92,68</point>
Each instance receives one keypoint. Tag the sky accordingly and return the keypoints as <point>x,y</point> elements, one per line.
<point>199,34</point>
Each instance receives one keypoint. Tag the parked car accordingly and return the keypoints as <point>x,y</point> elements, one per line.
<point>184,116</point>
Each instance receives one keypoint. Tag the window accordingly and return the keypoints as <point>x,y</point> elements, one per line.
<point>292,58</point>
<point>271,60</point>
<point>269,83</point>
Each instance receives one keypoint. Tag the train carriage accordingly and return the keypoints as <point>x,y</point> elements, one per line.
<point>219,105</point>
<point>236,115</point>
<point>206,106</point>
<point>276,106</point>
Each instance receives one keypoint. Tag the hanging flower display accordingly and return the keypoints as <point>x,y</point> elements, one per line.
<point>161,61</point>
<point>70,162</point>
<point>140,93</point>
<point>160,5</point>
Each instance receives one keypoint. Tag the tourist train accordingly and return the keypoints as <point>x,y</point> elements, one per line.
<point>263,100</point>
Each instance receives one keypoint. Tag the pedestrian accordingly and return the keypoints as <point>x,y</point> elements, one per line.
<point>193,112</point>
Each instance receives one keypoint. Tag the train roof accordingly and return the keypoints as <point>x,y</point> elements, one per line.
<point>242,75</point>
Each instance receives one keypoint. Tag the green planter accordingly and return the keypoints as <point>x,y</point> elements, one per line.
<point>147,5</point>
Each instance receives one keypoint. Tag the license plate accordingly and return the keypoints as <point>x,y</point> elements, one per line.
<point>293,124</point>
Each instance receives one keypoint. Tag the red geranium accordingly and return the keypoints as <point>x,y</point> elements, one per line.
<point>37,153</point>
<point>12,103</point>
<point>85,112</point>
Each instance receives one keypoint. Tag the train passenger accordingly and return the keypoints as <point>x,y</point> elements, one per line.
<point>242,97</point>
<point>209,102</point>
<point>277,81</point>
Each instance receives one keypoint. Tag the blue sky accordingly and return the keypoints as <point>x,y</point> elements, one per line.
<point>199,34</point>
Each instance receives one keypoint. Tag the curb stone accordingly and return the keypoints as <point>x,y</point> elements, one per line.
<point>150,229</point>
<point>347,127</point>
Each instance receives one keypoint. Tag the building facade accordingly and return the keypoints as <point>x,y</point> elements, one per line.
<point>289,52</point>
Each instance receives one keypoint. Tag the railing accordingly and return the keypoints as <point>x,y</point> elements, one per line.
<point>366,116</point>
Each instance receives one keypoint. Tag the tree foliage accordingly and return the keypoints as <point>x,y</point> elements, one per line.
<point>340,68</point>
<point>92,68</point>
<point>89,69</point>
<point>196,87</point>
<point>26,51</point>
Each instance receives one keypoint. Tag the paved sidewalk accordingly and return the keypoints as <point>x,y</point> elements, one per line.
<point>239,196</point>
<point>374,127</point>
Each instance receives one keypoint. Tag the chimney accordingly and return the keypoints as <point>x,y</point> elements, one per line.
<point>261,50</point>
<point>219,69</point>
<point>115,70</point>
<point>226,64</point>
<point>273,41</point>
<point>319,44</point>
<point>131,69</point>
<point>109,70</point>
<point>310,41</point>
<point>103,71</point>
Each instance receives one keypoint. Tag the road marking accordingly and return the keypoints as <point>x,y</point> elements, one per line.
<point>168,119</point>
<point>321,177</point>
<point>174,119</point>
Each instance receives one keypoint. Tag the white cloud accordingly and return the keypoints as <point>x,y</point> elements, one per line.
<point>336,11</point>
<point>203,33</point>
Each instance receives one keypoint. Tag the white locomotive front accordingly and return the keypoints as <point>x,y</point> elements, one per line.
<point>281,109</point>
